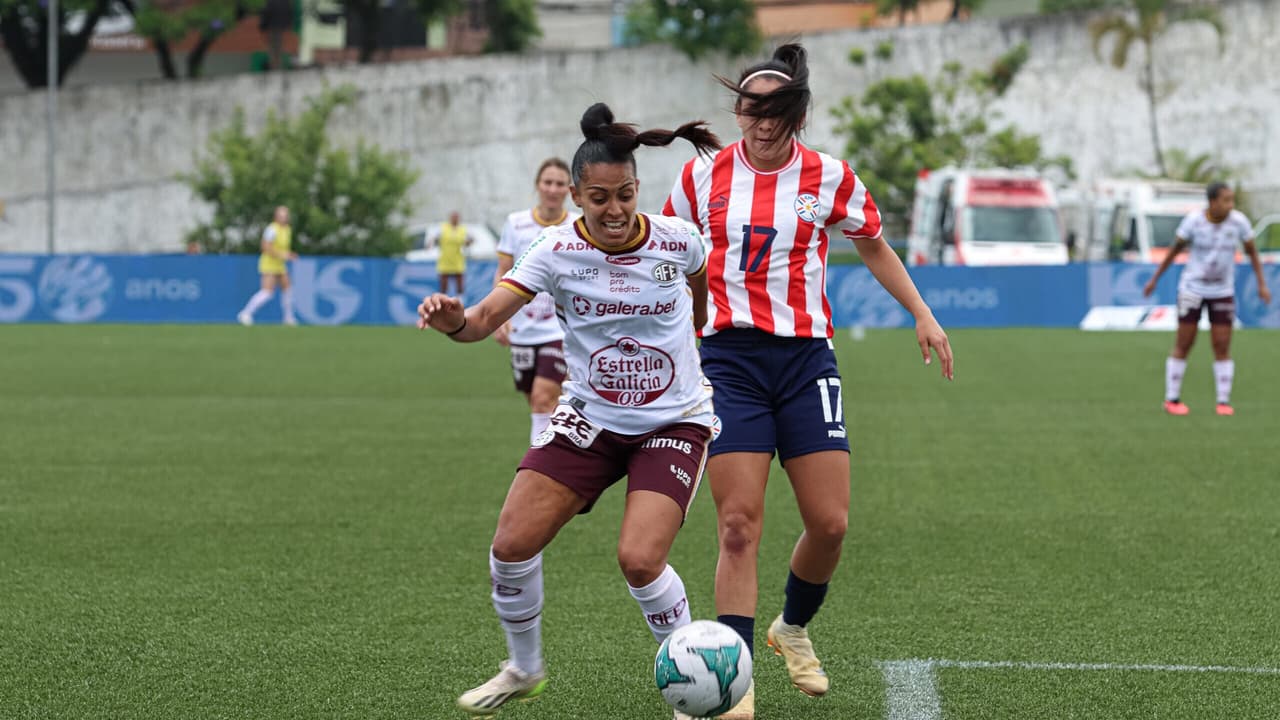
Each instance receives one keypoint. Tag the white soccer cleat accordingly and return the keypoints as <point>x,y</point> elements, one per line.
<point>792,643</point>
<point>244,318</point>
<point>290,320</point>
<point>509,684</point>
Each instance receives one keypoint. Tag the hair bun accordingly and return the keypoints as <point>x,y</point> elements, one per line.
<point>596,117</point>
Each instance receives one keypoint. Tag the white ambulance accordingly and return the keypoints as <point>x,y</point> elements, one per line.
<point>1134,220</point>
<point>985,217</point>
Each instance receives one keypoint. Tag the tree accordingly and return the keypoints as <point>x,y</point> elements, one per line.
<point>901,126</point>
<point>344,202</point>
<point>513,25</point>
<point>24,30</point>
<point>163,24</point>
<point>1144,22</point>
<point>696,27</point>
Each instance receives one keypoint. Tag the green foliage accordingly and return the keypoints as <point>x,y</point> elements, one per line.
<point>160,20</point>
<point>164,23</point>
<point>903,125</point>
<point>857,56</point>
<point>884,50</point>
<point>343,202</point>
<point>696,27</point>
<point>513,25</point>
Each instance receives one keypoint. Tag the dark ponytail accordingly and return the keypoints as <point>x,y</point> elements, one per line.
<point>607,141</point>
<point>789,103</point>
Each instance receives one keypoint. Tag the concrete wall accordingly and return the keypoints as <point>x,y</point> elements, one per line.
<point>477,127</point>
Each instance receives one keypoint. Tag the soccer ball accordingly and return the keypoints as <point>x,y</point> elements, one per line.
<point>703,669</point>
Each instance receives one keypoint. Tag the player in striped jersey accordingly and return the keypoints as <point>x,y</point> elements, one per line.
<point>635,404</point>
<point>769,207</point>
<point>533,334</point>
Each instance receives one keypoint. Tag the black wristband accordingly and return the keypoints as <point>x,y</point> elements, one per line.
<point>461,327</point>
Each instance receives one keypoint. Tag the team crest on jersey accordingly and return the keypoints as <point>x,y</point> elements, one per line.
<point>666,273</point>
<point>807,207</point>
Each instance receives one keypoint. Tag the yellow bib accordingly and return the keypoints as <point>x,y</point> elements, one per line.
<point>452,239</point>
<point>270,265</point>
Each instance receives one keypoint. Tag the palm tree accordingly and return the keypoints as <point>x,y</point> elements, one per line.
<point>1153,18</point>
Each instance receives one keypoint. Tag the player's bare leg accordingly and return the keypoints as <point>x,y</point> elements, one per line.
<point>543,397</point>
<point>535,510</point>
<point>649,526</point>
<point>738,482</point>
<point>1224,368</point>
<point>821,484</point>
<point>1176,368</point>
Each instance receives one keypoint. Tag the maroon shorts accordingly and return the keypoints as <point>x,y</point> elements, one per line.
<point>587,459</point>
<point>531,361</point>
<point>1222,311</point>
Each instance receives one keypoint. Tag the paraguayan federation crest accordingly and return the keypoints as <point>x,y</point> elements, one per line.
<point>807,207</point>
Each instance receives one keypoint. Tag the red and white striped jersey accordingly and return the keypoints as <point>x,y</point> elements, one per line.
<point>768,235</point>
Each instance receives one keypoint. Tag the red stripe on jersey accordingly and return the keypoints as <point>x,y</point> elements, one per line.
<point>721,183</point>
<point>756,251</point>
<point>871,216</point>
<point>797,298</point>
<point>691,194</point>
<point>840,204</point>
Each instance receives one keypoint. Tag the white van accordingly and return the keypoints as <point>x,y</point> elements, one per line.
<point>1135,220</point>
<point>985,217</point>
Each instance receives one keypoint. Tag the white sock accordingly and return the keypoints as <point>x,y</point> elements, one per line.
<point>1174,369</point>
<point>517,596</point>
<point>286,301</point>
<point>1224,372</point>
<point>538,423</point>
<point>664,604</point>
<point>259,299</point>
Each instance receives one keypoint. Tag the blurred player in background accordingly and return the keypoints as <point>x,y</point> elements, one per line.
<point>451,264</point>
<point>635,403</point>
<point>533,333</point>
<point>277,243</point>
<point>1208,280</point>
<point>770,207</point>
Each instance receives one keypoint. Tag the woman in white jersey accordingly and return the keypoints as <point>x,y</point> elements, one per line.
<point>1208,280</point>
<point>635,403</point>
<point>533,334</point>
<point>770,207</point>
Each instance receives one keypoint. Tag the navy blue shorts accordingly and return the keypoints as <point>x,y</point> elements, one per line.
<point>774,393</point>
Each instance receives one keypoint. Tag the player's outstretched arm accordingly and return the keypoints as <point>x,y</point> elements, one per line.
<point>447,315</point>
<point>889,271</point>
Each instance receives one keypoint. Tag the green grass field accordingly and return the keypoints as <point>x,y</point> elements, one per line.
<point>221,522</point>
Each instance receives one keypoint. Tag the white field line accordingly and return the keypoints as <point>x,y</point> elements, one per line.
<point>911,686</point>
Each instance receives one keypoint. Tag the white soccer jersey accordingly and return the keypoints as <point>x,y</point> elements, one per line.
<point>1211,266</point>
<point>769,235</point>
<point>536,322</point>
<point>629,341</point>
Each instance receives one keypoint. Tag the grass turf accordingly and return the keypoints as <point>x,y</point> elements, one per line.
<point>221,522</point>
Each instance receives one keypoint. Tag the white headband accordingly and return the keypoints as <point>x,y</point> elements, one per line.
<point>758,73</point>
